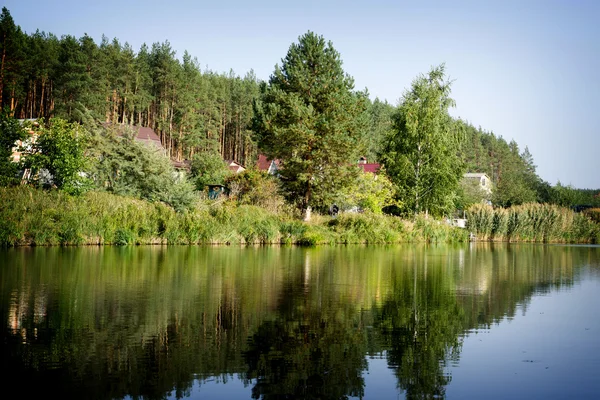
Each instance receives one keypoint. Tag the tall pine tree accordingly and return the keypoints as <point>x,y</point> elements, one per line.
<point>309,117</point>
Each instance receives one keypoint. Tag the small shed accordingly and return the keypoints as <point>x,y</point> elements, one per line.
<point>216,191</point>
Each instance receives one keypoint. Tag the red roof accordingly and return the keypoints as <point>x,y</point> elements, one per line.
<point>370,167</point>
<point>234,166</point>
<point>143,134</point>
<point>263,163</point>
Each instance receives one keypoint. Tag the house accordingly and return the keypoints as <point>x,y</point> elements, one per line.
<point>372,168</point>
<point>27,142</point>
<point>481,179</point>
<point>234,167</point>
<point>264,164</point>
<point>142,134</point>
<point>147,136</point>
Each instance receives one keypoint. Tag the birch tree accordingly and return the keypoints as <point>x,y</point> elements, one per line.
<point>421,151</point>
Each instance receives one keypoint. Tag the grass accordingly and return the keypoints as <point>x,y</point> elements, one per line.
<point>30,216</point>
<point>533,222</point>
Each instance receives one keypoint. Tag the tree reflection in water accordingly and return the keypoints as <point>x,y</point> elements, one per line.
<point>291,323</point>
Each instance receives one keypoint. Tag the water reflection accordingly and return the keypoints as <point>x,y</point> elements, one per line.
<point>148,322</point>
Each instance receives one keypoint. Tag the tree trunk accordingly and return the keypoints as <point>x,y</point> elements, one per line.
<point>417,177</point>
<point>33,97</point>
<point>123,114</point>
<point>115,110</point>
<point>51,97</point>
<point>41,111</point>
<point>2,70</point>
<point>13,102</point>
<point>171,125</point>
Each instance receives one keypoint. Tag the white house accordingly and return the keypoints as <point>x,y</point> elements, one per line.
<point>482,180</point>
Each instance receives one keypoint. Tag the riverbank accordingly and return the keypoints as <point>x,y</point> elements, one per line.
<point>32,217</point>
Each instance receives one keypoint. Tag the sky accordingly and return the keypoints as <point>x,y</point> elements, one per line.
<point>525,70</point>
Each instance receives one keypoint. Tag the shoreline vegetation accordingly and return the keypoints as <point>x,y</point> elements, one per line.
<point>533,222</point>
<point>34,217</point>
<point>103,145</point>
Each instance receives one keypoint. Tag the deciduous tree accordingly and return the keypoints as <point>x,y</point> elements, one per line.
<point>59,149</point>
<point>421,153</point>
<point>10,132</point>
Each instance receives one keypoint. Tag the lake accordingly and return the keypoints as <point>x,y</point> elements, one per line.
<point>492,321</point>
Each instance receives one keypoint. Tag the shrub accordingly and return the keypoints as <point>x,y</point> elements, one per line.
<point>256,188</point>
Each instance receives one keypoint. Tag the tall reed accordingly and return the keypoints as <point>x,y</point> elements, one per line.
<point>532,222</point>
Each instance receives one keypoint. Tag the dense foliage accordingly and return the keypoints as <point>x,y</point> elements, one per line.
<point>421,151</point>
<point>30,216</point>
<point>43,76</point>
<point>120,164</point>
<point>55,156</point>
<point>90,98</point>
<point>10,132</point>
<point>309,118</point>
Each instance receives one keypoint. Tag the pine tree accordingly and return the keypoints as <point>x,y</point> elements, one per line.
<point>309,117</point>
<point>12,55</point>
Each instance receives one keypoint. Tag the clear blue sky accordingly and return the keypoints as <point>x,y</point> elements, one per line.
<point>526,70</point>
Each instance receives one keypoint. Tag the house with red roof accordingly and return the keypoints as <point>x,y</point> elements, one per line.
<point>264,164</point>
<point>234,166</point>
<point>372,168</point>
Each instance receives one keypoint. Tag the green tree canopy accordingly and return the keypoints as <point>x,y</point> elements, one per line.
<point>10,132</point>
<point>371,192</point>
<point>517,182</point>
<point>309,117</point>
<point>421,152</point>
<point>122,165</point>
<point>59,149</point>
<point>208,168</point>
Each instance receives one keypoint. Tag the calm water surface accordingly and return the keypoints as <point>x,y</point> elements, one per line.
<point>472,321</point>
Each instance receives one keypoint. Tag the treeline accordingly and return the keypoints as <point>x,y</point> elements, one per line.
<point>191,109</point>
<point>513,172</point>
<point>205,116</point>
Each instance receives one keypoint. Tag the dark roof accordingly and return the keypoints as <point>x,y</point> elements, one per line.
<point>144,133</point>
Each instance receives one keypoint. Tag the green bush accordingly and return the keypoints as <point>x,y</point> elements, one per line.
<point>367,228</point>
